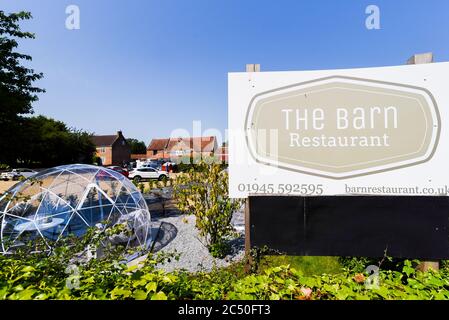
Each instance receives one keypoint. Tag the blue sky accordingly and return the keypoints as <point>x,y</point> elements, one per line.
<point>148,67</point>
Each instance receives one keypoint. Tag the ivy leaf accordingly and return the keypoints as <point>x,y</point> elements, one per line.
<point>26,294</point>
<point>408,270</point>
<point>89,280</point>
<point>131,268</point>
<point>151,287</point>
<point>28,269</point>
<point>140,294</point>
<point>120,292</point>
<point>139,283</point>
<point>159,296</point>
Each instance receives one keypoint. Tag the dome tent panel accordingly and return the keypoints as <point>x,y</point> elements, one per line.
<point>68,200</point>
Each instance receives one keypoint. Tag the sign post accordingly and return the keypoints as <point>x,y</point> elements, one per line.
<point>422,59</point>
<point>249,68</point>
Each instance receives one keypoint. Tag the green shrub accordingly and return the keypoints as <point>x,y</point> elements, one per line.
<point>187,164</point>
<point>40,277</point>
<point>204,193</point>
<point>219,249</point>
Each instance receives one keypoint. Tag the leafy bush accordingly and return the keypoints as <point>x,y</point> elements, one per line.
<point>62,275</point>
<point>204,193</point>
<point>186,164</point>
<point>40,277</point>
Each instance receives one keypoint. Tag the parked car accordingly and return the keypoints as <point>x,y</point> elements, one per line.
<point>147,173</point>
<point>120,170</point>
<point>16,174</point>
<point>156,164</point>
<point>149,165</point>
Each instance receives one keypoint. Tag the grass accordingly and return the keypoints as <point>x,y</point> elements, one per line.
<point>309,266</point>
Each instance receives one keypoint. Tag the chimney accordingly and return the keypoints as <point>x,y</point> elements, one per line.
<point>119,133</point>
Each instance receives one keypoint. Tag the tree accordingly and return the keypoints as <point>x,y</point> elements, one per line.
<point>81,146</point>
<point>17,92</point>
<point>137,147</point>
<point>47,142</point>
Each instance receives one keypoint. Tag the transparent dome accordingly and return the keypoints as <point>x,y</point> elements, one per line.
<point>68,200</point>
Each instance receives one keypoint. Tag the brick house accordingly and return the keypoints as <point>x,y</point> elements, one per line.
<point>181,147</point>
<point>157,149</point>
<point>112,149</point>
<point>222,154</point>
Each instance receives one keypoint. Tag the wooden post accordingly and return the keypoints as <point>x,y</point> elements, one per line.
<point>249,68</point>
<point>249,260</point>
<point>253,68</point>
<point>421,59</point>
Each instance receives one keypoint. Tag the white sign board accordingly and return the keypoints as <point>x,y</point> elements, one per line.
<point>374,131</point>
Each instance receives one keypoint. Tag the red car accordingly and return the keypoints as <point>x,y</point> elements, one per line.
<point>120,170</point>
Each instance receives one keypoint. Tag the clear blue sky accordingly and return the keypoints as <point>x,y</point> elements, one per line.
<point>148,67</point>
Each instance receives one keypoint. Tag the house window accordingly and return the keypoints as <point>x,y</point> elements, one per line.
<point>180,152</point>
<point>103,160</point>
<point>102,150</point>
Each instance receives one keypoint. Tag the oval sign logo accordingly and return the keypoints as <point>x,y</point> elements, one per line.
<point>340,127</point>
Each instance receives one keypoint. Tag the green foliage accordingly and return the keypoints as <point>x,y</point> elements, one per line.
<point>306,265</point>
<point>42,277</point>
<point>187,164</point>
<point>47,142</point>
<point>34,141</point>
<point>62,275</point>
<point>190,163</point>
<point>136,146</point>
<point>356,264</point>
<point>204,193</point>
<point>359,264</point>
<point>219,249</point>
<point>17,92</point>
<point>16,89</point>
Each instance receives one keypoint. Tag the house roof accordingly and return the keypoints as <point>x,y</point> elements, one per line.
<point>198,144</point>
<point>207,144</point>
<point>158,144</point>
<point>104,141</point>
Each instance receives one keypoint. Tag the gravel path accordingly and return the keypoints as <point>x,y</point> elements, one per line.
<point>183,237</point>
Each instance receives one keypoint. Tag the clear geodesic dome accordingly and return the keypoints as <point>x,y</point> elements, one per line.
<point>68,200</point>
